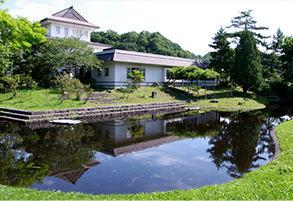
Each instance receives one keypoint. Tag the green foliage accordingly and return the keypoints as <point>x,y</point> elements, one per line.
<point>5,58</point>
<point>16,82</point>
<point>222,59</point>
<point>69,53</point>
<point>137,77</point>
<point>246,22</point>
<point>68,86</point>
<point>287,59</point>
<point>246,70</point>
<point>142,42</point>
<point>20,33</point>
<point>137,130</point>
<point>18,38</point>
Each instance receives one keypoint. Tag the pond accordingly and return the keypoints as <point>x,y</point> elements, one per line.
<point>155,153</point>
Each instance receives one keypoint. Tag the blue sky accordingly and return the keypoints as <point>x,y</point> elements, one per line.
<point>190,23</point>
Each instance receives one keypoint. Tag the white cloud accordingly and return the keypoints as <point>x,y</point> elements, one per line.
<point>36,10</point>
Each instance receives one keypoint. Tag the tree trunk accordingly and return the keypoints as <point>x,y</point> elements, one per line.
<point>232,88</point>
<point>188,86</point>
<point>198,88</point>
<point>214,89</point>
<point>245,89</point>
<point>205,89</point>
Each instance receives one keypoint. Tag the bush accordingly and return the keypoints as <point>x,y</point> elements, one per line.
<point>16,82</point>
<point>265,89</point>
<point>69,87</point>
<point>279,87</point>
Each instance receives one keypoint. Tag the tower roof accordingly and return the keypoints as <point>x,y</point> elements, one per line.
<point>70,13</point>
<point>69,16</point>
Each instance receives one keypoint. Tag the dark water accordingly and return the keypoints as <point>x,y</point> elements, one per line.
<point>174,151</point>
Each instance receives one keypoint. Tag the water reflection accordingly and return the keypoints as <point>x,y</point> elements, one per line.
<point>147,154</point>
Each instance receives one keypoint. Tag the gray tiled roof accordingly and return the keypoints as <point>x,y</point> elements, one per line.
<point>144,58</point>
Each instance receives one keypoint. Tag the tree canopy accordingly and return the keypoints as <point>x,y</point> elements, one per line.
<point>69,53</point>
<point>247,69</point>
<point>18,37</point>
<point>246,22</point>
<point>221,59</point>
<point>287,59</point>
<point>144,41</point>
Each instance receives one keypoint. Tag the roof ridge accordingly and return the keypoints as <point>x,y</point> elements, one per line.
<point>71,10</point>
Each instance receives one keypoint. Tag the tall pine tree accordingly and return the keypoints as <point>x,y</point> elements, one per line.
<point>247,68</point>
<point>222,57</point>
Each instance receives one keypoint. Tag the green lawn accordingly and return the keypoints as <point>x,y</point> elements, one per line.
<point>273,181</point>
<point>49,99</point>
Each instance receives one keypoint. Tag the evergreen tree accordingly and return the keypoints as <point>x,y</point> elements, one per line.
<point>221,59</point>
<point>287,59</point>
<point>271,62</point>
<point>247,69</point>
<point>246,22</point>
<point>277,41</point>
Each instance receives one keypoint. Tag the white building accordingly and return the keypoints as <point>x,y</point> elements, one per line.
<point>69,23</point>
<point>117,63</point>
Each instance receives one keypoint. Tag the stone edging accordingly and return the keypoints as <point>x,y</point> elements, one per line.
<point>277,144</point>
<point>225,108</point>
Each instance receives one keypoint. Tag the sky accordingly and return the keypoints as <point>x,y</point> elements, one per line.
<point>190,23</point>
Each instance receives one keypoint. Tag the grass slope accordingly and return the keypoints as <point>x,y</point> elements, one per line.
<point>273,181</point>
<point>49,99</point>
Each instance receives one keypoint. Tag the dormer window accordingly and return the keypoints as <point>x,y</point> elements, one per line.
<point>57,30</point>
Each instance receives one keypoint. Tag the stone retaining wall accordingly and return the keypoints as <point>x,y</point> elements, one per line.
<point>94,114</point>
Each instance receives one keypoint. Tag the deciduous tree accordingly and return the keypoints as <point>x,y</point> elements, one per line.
<point>68,53</point>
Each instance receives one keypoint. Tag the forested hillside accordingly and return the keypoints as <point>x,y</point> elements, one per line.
<point>145,41</point>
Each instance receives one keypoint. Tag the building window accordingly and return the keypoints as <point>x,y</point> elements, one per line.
<point>66,31</point>
<point>57,30</point>
<point>80,32</point>
<point>106,70</point>
<point>130,70</point>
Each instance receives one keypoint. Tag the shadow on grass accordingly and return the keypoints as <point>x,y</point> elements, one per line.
<point>182,94</point>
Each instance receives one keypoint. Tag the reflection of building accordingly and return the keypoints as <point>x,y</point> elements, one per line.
<point>117,138</point>
<point>72,176</point>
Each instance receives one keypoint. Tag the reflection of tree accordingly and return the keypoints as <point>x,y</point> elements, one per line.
<point>137,130</point>
<point>17,167</point>
<point>66,147</point>
<point>189,128</point>
<point>235,147</point>
<point>30,155</point>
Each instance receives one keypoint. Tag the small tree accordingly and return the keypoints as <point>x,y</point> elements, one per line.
<point>137,77</point>
<point>69,53</point>
<point>287,59</point>
<point>16,82</point>
<point>68,86</point>
<point>221,59</point>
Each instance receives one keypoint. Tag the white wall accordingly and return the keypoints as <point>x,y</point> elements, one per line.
<point>76,31</point>
<point>118,74</point>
